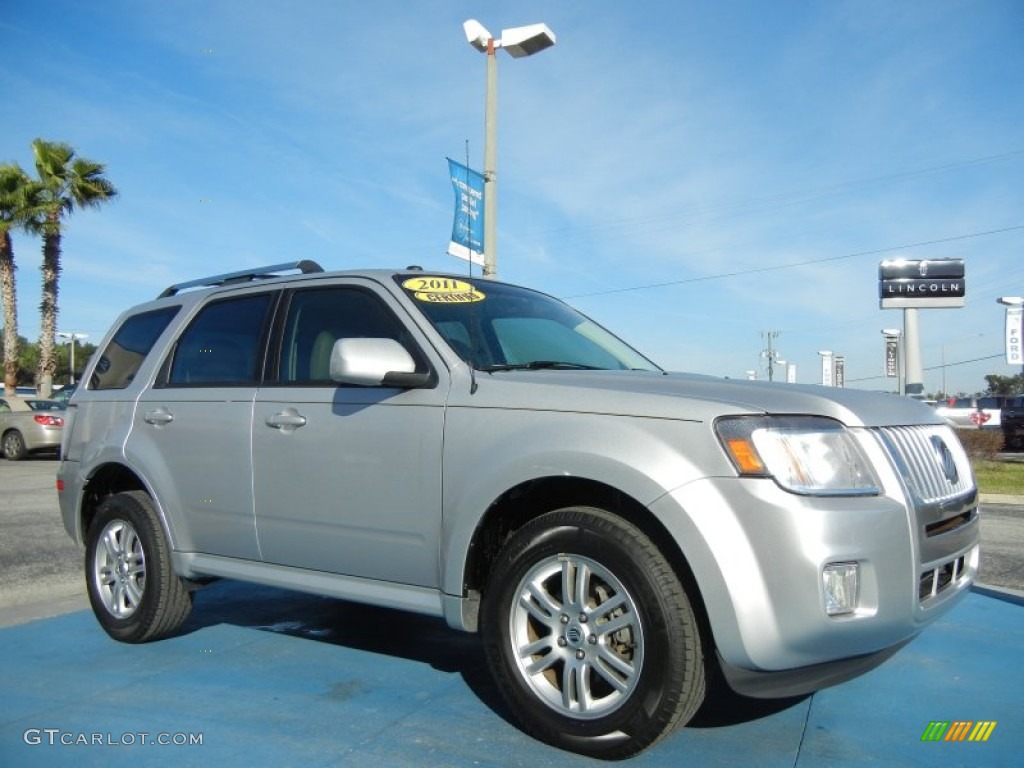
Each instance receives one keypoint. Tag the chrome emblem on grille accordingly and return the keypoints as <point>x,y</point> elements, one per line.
<point>946,460</point>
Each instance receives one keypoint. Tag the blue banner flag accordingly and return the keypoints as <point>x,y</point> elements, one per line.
<point>468,230</point>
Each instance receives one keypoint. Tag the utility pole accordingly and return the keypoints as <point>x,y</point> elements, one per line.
<point>769,353</point>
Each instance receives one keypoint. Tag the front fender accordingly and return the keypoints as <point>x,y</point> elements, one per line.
<point>490,451</point>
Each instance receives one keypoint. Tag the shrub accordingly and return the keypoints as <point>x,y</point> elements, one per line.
<point>981,443</point>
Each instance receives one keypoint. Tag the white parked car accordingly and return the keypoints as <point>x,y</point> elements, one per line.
<point>972,412</point>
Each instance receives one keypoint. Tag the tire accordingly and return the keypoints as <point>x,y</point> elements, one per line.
<point>133,589</point>
<point>14,446</point>
<point>606,693</point>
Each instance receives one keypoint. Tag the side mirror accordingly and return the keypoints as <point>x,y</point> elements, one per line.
<point>375,363</point>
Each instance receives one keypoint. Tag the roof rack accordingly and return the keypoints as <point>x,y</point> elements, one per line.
<point>305,266</point>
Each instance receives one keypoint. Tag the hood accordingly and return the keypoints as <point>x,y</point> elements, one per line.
<point>688,396</point>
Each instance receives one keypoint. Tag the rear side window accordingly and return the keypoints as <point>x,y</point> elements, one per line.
<point>221,345</point>
<point>123,356</point>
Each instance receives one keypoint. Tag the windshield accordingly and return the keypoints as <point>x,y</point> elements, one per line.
<point>496,327</point>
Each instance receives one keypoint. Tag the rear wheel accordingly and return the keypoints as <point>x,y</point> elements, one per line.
<point>591,635</point>
<point>134,591</point>
<point>14,446</point>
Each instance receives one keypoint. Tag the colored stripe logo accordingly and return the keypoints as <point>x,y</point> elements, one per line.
<point>958,730</point>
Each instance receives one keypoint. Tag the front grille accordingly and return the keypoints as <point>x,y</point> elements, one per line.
<point>935,580</point>
<point>938,477</point>
<point>950,524</point>
<point>931,460</point>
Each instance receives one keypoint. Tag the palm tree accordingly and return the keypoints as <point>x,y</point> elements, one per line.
<point>15,187</point>
<point>67,181</point>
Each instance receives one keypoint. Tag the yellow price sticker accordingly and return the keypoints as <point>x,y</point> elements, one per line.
<point>442,290</point>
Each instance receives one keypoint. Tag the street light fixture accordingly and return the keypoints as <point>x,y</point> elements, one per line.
<point>72,337</point>
<point>519,42</point>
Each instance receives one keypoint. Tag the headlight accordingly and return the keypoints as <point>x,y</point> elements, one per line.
<point>804,454</point>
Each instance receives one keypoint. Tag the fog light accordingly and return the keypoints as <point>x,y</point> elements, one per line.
<point>840,581</point>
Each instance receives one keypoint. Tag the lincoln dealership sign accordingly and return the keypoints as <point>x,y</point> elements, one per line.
<point>921,283</point>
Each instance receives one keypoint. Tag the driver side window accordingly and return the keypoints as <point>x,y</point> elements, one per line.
<point>317,318</point>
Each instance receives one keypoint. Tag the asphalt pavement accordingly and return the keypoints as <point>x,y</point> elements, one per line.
<point>40,566</point>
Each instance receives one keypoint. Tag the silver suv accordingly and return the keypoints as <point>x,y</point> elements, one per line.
<point>481,452</point>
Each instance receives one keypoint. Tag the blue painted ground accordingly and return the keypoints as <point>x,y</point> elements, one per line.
<point>272,678</point>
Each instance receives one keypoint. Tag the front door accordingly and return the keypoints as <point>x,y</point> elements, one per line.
<point>347,479</point>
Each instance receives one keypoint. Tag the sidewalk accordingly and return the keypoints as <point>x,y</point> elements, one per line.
<point>1000,498</point>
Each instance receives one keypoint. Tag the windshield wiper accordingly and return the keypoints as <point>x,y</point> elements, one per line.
<point>536,365</point>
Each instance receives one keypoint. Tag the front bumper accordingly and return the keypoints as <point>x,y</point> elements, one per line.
<point>803,680</point>
<point>758,554</point>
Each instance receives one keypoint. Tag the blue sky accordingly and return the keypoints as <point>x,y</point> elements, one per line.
<point>663,167</point>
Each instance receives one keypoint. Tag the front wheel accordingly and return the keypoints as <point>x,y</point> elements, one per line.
<point>133,589</point>
<point>591,635</point>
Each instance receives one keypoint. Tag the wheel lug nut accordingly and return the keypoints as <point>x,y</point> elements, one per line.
<point>583,618</point>
<point>592,639</point>
<point>562,642</point>
<point>565,618</point>
<point>580,654</point>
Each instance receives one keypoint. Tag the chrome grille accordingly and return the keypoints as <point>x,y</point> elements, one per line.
<point>931,460</point>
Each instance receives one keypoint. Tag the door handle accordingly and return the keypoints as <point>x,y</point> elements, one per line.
<point>158,416</point>
<point>287,420</point>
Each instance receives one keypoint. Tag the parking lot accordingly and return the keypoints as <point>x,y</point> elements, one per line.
<point>40,565</point>
<point>268,677</point>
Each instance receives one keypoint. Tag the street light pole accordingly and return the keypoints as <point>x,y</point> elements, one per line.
<point>944,393</point>
<point>491,165</point>
<point>72,337</point>
<point>519,42</point>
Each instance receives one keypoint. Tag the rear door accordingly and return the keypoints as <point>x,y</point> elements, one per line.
<point>347,479</point>
<point>193,430</point>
